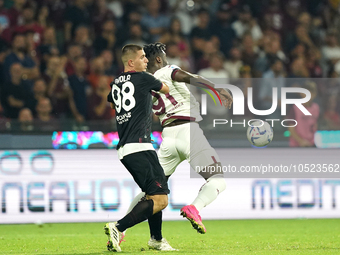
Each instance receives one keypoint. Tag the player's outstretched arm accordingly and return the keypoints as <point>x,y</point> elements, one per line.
<point>199,81</point>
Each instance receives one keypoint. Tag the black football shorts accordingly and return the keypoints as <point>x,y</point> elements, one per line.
<point>147,172</point>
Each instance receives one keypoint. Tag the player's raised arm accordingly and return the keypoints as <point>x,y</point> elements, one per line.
<point>180,75</point>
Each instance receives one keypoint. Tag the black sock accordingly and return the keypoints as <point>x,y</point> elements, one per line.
<point>139,213</point>
<point>155,225</point>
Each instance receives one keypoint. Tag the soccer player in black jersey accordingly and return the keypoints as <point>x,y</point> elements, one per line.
<point>131,97</point>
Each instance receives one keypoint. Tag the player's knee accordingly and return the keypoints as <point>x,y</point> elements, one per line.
<point>218,182</point>
<point>164,202</point>
<point>160,201</point>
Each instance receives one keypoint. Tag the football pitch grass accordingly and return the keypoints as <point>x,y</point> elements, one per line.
<point>312,236</point>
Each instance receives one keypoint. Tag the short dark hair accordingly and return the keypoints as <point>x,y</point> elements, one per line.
<point>128,50</point>
<point>154,50</point>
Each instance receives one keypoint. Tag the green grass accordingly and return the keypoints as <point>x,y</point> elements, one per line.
<point>223,237</point>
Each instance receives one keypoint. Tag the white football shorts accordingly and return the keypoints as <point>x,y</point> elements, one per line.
<point>185,142</point>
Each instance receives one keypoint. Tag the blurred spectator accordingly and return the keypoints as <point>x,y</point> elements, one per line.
<point>98,107</point>
<point>49,40</point>
<point>82,38</point>
<point>44,109</point>
<point>47,48</point>
<point>201,34</point>
<point>73,51</point>
<point>101,14</point>
<point>57,9</point>
<point>249,50</point>
<point>313,63</point>
<point>153,20</point>
<point>18,55</point>
<point>246,23</point>
<point>39,90</point>
<point>273,78</point>
<point>318,32</point>
<point>30,24</point>
<point>234,63</point>
<point>298,68</point>
<point>97,70</point>
<point>79,85</point>
<point>107,39</point>
<point>15,13</point>
<point>16,93</point>
<point>25,120</point>
<point>292,10</point>
<point>299,51</point>
<point>209,48</point>
<point>273,17</point>
<point>216,69</point>
<point>76,15</point>
<point>44,120</point>
<point>300,36</point>
<point>136,35</point>
<point>183,12</point>
<point>134,17</point>
<point>173,56</point>
<point>110,68</point>
<point>302,135</point>
<point>305,20</point>
<point>227,9</point>
<point>174,34</point>
<point>271,47</point>
<point>58,86</point>
<point>331,51</point>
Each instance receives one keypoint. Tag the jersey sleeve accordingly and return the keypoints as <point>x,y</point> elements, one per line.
<point>174,69</point>
<point>167,73</point>
<point>109,96</point>
<point>152,83</point>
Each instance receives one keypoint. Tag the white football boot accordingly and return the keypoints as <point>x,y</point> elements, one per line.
<point>161,245</point>
<point>115,237</point>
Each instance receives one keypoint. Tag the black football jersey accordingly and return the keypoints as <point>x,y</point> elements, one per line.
<point>131,95</point>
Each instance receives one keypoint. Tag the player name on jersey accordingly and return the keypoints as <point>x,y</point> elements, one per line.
<point>122,78</point>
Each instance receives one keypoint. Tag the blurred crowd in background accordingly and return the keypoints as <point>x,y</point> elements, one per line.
<point>58,57</point>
